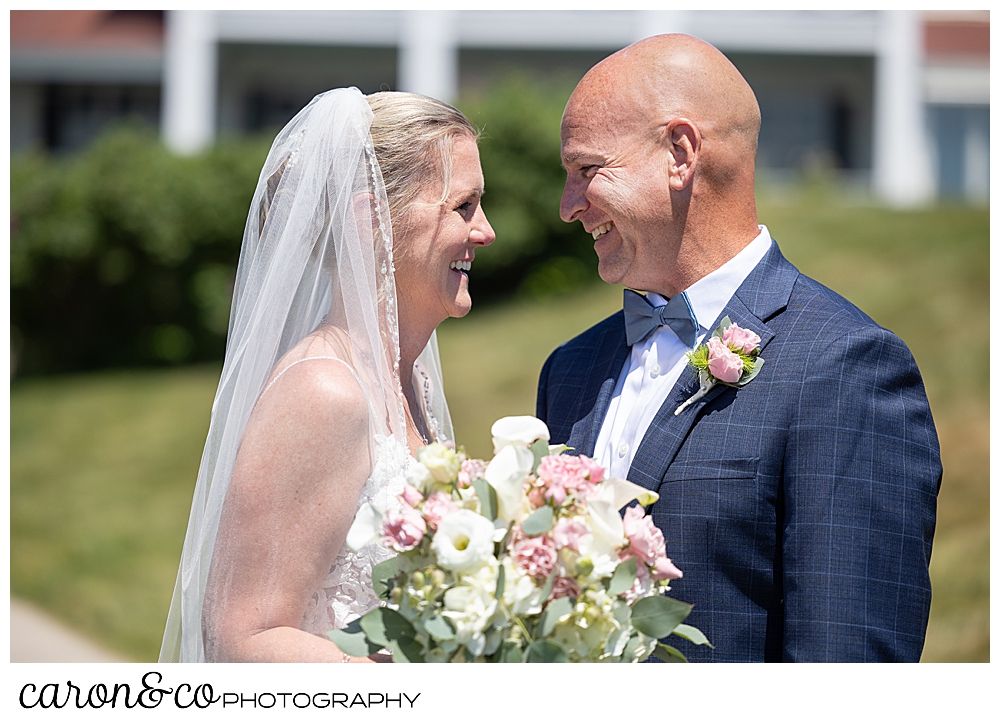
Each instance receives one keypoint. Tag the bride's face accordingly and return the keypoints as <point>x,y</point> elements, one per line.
<point>440,240</point>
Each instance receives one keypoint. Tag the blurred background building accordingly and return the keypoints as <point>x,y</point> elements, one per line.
<point>898,100</point>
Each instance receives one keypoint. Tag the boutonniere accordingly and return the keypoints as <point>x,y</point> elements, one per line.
<point>729,357</point>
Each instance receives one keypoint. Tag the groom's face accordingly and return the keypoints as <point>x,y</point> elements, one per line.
<point>616,184</point>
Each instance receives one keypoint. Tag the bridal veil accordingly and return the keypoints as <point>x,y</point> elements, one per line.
<point>317,248</point>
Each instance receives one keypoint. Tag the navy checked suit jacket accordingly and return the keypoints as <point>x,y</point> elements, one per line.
<point>801,508</point>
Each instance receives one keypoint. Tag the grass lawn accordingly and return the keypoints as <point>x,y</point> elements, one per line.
<point>103,465</point>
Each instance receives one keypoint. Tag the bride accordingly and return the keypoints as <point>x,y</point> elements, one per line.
<point>365,217</point>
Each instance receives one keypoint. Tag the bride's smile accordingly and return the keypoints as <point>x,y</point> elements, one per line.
<point>439,241</point>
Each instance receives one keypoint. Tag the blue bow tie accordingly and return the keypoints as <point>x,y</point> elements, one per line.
<point>642,318</point>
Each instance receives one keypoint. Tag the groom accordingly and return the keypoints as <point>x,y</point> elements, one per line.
<point>801,506</point>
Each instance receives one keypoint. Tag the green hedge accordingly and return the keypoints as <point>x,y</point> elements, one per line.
<point>124,254</point>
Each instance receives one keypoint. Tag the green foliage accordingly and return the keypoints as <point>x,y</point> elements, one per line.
<point>545,651</point>
<point>535,251</point>
<point>125,254</point>
<point>657,616</point>
<point>624,577</point>
<point>538,522</point>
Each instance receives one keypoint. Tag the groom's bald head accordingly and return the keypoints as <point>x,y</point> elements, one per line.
<point>659,143</point>
<point>647,84</point>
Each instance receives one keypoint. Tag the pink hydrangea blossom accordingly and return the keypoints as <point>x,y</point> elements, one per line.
<point>411,495</point>
<point>471,469</point>
<point>564,587</point>
<point>562,474</point>
<point>438,506</point>
<point>723,363</point>
<point>403,528</point>
<point>645,541</point>
<point>535,556</point>
<point>567,533</point>
<point>740,339</point>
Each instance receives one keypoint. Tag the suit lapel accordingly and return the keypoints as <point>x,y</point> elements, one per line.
<point>599,387</point>
<point>763,294</point>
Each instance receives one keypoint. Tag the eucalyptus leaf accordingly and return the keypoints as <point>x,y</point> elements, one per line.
<point>351,639</point>
<point>383,625</point>
<point>689,632</point>
<point>545,651</point>
<point>669,654</point>
<point>628,654</point>
<point>540,449</point>
<point>382,574</point>
<point>487,499</point>
<point>657,616</point>
<point>440,627</point>
<point>538,522</point>
<point>624,577</point>
<point>501,579</point>
<point>510,653</point>
<point>406,650</point>
<point>550,616</point>
<point>547,587</point>
<point>622,612</point>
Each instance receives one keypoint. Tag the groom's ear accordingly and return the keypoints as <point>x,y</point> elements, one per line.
<point>682,141</point>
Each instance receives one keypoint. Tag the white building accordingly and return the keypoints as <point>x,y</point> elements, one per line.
<point>897,99</point>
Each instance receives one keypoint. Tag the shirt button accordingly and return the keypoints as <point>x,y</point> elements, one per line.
<point>623,450</point>
<point>655,371</point>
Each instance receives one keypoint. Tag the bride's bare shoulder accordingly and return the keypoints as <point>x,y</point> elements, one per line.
<point>317,376</point>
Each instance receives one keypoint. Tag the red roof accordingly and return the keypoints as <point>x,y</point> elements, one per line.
<point>89,29</point>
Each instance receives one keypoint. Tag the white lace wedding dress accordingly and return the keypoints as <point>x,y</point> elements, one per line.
<point>346,593</point>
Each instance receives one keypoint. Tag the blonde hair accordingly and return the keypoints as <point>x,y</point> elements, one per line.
<point>413,135</point>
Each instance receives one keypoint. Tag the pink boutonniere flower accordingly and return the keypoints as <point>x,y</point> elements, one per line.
<point>729,357</point>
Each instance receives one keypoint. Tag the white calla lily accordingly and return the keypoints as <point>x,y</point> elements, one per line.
<point>606,523</point>
<point>366,528</point>
<point>506,474</point>
<point>517,430</point>
<point>619,492</point>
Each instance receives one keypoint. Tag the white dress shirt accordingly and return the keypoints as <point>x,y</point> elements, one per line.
<point>656,363</point>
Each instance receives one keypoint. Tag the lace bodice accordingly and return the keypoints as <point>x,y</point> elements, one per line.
<point>346,593</point>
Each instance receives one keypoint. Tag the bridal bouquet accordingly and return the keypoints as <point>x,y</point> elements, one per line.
<point>524,559</point>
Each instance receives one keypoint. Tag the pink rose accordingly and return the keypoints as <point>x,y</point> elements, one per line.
<point>411,495</point>
<point>535,556</point>
<point>403,528</point>
<point>564,587</point>
<point>664,569</point>
<point>567,533</point>
<point>723,363</point>
<point>645,541</point>
<point>739,339</point>
<point>438,506</point>
<point>536,497</point>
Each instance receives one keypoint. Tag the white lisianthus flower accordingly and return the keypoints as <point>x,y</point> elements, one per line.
<point>366,528</point>
<point>442,462</point>
<point>417,475</point>
<point>506,474</point>
<point>471,605</point>
<point>464,541</point>
<point>517,430</point>
<point>520,594</point>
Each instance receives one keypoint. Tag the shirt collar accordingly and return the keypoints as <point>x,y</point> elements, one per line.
<point>710,294</point>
